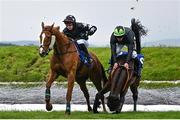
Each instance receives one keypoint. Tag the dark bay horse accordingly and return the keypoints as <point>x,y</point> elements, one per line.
<point>119,81</point>
<point>65,61</point>
<point>121,78</point>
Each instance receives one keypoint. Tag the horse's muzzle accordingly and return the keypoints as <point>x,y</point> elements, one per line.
<point>113,102</point>
<point>42,52</point>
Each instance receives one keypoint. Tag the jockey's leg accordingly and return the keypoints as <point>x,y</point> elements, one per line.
<point>83,46</point>
<point>136,64</point>
<point>138,68</point>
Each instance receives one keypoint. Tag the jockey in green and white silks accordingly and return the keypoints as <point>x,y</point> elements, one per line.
<point>123,36</point>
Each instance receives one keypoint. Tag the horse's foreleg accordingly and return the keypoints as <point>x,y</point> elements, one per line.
<point>104,90</point>
<point>84,89</point>
<point>71,79</point>
<point>49,82</point>
<point>122,99</point>
<point>100,95</point>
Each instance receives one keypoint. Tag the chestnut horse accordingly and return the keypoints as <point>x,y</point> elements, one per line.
<point>65,61</point>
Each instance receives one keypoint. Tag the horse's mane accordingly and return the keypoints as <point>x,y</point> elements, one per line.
<point>56,30</point>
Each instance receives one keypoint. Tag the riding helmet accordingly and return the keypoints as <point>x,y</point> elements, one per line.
<point>119,31</point>
<point>70,18</point>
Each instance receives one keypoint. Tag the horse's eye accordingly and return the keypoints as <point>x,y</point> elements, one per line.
<point>48,35</point>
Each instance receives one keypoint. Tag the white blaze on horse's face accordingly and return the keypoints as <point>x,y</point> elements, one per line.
<point>43,37</point>
<point>46,44</point>
<point>41,50</point>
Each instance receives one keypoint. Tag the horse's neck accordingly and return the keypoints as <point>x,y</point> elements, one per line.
<point>61,39</point>
<point>62,43</point>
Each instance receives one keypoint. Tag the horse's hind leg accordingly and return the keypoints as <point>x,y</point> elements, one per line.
<point>49,82</point>
<point>82,84</point>
<point>134,90</point>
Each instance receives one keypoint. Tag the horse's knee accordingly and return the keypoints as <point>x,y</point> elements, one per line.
<point>48,85</point>
<point>97,102</point>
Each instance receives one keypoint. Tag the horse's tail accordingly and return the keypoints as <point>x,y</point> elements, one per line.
<point>104,75</point>
<point>139,31</point>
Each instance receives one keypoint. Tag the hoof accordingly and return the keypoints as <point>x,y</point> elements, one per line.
<point>49,107</point>
<point>98,105</point>
<point>90,109</point>
<point>116,112</point>
<point>67,113</point>
<point>95,111</point>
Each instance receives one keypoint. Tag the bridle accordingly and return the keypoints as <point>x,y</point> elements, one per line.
<point>55,46</point>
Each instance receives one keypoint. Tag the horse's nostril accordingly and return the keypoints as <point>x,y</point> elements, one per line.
<point>42,54</point>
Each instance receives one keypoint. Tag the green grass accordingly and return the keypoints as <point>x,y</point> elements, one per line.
<point>23,63</point>
<point>161,63</point>
<point>87,115</point>
<point>158,85</point>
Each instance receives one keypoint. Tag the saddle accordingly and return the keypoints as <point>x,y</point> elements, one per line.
<point>139,58</point>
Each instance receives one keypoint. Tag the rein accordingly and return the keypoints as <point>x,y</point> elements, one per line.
<point>128,76</point>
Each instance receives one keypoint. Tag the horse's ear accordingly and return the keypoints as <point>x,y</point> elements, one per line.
<point>58,28</point>
<point>52,26</point>
<point>42,24</point>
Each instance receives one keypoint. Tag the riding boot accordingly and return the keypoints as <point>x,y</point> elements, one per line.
<point>84,49</point>
<point>138,68</point>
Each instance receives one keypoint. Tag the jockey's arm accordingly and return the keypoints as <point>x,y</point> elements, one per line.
<point>67,33</point>
<point>113,48</point>
<point>90,29</point>
<point>130,48</point>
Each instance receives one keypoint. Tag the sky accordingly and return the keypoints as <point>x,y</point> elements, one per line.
<point>21,19</point>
